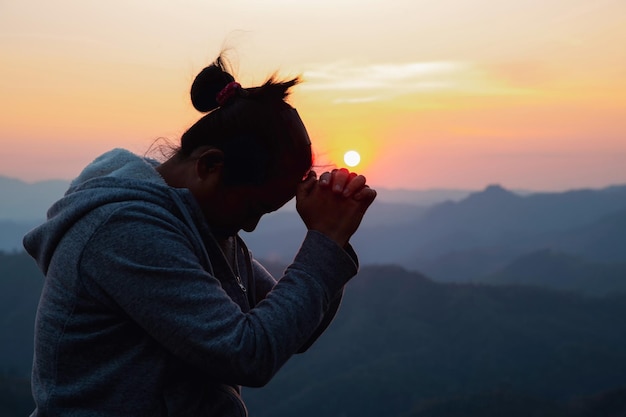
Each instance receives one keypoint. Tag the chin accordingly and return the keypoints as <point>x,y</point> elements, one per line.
<point>224,233</point>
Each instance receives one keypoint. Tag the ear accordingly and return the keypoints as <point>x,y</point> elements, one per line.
<point>210,162</point>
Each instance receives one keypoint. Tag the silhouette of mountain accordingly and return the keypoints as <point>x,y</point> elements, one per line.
<point>411,346</point>
<point>24,201</point>
<point>23,206</point>
<point>27,203</point>
<point>20,286</point>
<point>15,397</point>
<point>460,240</point>
<point>551,269</point>
<point>402,344</point>
<point>12,233</point>
<point>279,235</point>
<point>477,236</point>
<point>602,241</point>
<point>502,402</point>
<point>494,216</point>
<point>421,197</point>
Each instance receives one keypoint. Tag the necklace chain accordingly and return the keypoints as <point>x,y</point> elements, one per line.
<point>229,250</point>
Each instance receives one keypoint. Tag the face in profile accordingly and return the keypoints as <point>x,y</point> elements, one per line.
<point>240,207</point>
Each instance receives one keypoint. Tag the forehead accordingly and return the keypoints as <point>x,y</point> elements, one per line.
<point>280,190</point>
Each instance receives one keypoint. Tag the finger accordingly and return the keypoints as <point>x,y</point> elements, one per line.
<point>340,179</point>
<point>325,179</point>
<point>310,175</point>
<point>365,194</point>
<point>306,186</point>
<point>355,183</point>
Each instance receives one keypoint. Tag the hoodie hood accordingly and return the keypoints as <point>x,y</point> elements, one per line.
<point>116,176</point>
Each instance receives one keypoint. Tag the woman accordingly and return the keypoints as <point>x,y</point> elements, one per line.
<point>152,305</point>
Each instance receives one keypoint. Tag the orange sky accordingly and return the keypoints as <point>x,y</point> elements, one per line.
<point>456,94</point>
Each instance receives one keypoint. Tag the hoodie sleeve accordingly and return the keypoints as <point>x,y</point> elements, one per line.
<point>146,267</point>
<point>264,282</point>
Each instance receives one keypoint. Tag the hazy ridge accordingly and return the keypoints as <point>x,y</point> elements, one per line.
<point>491,303</point>
<point>488,236</point>
<point>26,204</point>
<point>403,345</point>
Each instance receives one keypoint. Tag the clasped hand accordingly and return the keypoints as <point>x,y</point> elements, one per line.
<point>335,203</point>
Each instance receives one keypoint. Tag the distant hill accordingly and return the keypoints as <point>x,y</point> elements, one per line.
<point>279,235</point>
<point>557,270</point>
<point>12,232</point>
<point>475,236</point>
<point>421,197</point>
<point>15,397</point>
<point>460,236</point>
<point>600,241</point>
<point>20,286</point>
<point>30,201</point>
<point>496,216</point>
<point>26,205</point>
<point>23,206</point>
<point>24,201</point>
<point>403,345</point>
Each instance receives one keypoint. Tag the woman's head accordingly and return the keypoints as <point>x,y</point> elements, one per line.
<point>260,135</point>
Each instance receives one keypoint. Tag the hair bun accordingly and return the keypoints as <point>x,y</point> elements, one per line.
<point>206,86</point>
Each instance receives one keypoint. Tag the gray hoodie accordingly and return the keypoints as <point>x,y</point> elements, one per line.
<point>140,314</point>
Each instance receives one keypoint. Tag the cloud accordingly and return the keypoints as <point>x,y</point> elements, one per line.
<point>375,82</point>
<point>357,100</point>
<point>379,82</point>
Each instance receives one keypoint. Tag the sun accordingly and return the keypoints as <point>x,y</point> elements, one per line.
<point>352,158</point>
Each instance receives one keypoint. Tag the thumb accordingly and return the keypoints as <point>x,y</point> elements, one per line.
<point>306,186</point>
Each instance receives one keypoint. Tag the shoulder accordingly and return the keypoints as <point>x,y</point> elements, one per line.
<point>135,220</point>
<point>141,235</point>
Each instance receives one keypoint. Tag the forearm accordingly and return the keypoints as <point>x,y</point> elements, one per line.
<point>186,310</point>
<point>328,318</point>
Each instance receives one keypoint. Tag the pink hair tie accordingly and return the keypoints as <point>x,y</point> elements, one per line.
<point>227,92</point>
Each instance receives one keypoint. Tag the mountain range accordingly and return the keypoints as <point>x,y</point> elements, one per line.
<point>403,345</point>
<point>26,204</point>
<point>403,342</point>
<point>493,235</point>
<point>23,201</point>
<point>468,303</point>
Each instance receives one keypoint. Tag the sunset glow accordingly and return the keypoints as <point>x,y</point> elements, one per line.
<point>453,93</point>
